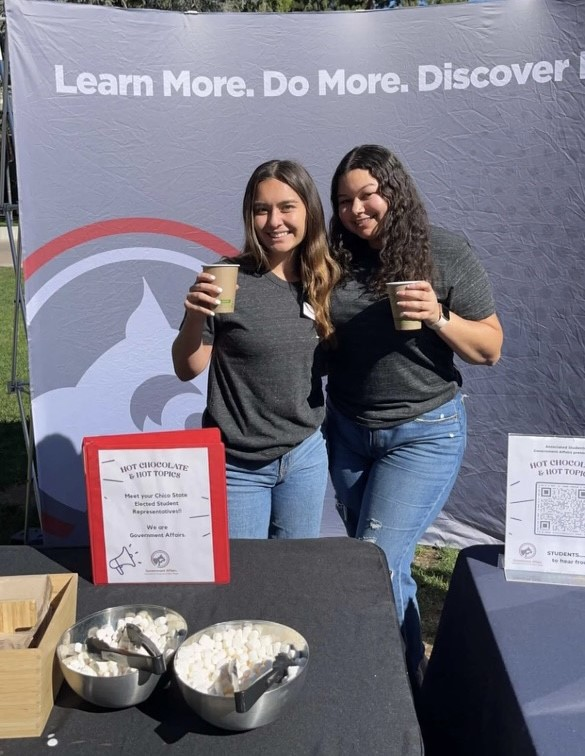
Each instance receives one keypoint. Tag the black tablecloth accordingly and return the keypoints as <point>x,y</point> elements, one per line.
<point>507,672</point>
<point>334,591</point>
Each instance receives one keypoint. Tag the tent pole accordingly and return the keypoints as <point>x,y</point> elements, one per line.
<point>7,209</point>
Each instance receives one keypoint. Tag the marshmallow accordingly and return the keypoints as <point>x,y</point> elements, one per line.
<point>159,630</point>
<point>202,664</point>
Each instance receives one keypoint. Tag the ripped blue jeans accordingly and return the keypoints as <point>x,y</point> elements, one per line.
<point>390,485</point>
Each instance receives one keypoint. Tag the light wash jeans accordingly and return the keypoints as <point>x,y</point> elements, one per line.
<point>279,499</point>
<point>390,485</point>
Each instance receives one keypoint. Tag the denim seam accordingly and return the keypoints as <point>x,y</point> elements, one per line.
<point>438,420</point>
<point>422,528</point>
<point>426,523</point>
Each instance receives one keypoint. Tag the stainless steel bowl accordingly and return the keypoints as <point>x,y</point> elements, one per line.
<point>221,710</point>
<point>122,690</point>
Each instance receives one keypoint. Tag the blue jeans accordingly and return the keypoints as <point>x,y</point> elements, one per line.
<point>390,485</point>
<point>279,499</point>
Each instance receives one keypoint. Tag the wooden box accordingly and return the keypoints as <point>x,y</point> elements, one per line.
<point>30,678</point>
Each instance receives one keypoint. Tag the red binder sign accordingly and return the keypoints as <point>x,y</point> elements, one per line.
<point>157,507</point>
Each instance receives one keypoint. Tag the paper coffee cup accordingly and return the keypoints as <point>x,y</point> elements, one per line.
<point>401,324</point>
<point>226,277</point>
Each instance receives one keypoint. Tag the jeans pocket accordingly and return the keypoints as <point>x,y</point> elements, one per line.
<point>446,413</point>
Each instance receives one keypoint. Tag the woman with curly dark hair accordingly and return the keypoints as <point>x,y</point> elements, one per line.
<point>266,359</point>
<point>396,424</point>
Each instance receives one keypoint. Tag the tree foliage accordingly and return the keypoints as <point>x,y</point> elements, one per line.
<point>239,6</point>
<point>253,6</point>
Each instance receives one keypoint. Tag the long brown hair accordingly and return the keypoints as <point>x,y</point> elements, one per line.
<point>405,253</point>
<point>317,269</point>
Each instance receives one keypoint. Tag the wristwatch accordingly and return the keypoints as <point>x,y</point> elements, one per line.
<point>443,318</point>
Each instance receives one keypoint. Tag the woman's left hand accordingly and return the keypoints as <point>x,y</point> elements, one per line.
<point>478,342</point>
<point>418,301</point>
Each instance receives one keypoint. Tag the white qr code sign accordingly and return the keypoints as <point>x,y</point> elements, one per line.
<point>560,509</point>
<point>545,509</point>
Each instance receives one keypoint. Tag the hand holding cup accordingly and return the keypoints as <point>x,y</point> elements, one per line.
<point>412,303</point>
<point>203,296</point>
<point>226,278</point>
<point>213,290</point>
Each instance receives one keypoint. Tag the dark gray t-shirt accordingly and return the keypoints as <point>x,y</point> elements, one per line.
<point>264,387</point>
<point>380,377</point>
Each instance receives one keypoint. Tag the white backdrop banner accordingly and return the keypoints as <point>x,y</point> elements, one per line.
<point>135,134</point>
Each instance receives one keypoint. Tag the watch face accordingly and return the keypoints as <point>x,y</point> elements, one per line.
<point>445,312</point>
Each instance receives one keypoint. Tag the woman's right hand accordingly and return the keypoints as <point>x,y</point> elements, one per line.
<point>203,295</point>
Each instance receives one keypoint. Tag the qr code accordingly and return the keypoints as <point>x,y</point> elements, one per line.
<point>560,509</point>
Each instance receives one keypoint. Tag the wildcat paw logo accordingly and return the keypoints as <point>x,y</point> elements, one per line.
<point>102,319</point>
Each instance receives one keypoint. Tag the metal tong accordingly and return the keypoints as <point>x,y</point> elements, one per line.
<point>246,698</point>
<point>153,662</point>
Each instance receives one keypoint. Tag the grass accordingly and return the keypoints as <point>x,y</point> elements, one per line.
<point>432,567</point>
<point>432,571</point>
<point>12,445</point>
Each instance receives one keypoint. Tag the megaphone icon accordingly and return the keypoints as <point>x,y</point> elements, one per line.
<point>124,559</point>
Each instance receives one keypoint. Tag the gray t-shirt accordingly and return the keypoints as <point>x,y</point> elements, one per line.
<point>380,377</point>
<point>264,387</point>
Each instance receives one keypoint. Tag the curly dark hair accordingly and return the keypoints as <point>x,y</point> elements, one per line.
<point>404,253</point>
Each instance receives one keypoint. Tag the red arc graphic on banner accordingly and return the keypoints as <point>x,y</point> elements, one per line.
<point>115,226</point>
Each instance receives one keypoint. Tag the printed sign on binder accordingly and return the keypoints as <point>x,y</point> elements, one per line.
<point>545,510</point>
<point>157,507</point>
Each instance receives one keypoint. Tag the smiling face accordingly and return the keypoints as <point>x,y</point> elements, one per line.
<point>359,205</point>
<point>280,217</point>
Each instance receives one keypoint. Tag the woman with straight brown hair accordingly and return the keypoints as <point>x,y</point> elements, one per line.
<point>267,358</point>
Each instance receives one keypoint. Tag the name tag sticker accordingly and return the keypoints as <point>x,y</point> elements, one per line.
<point>308,311</point>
